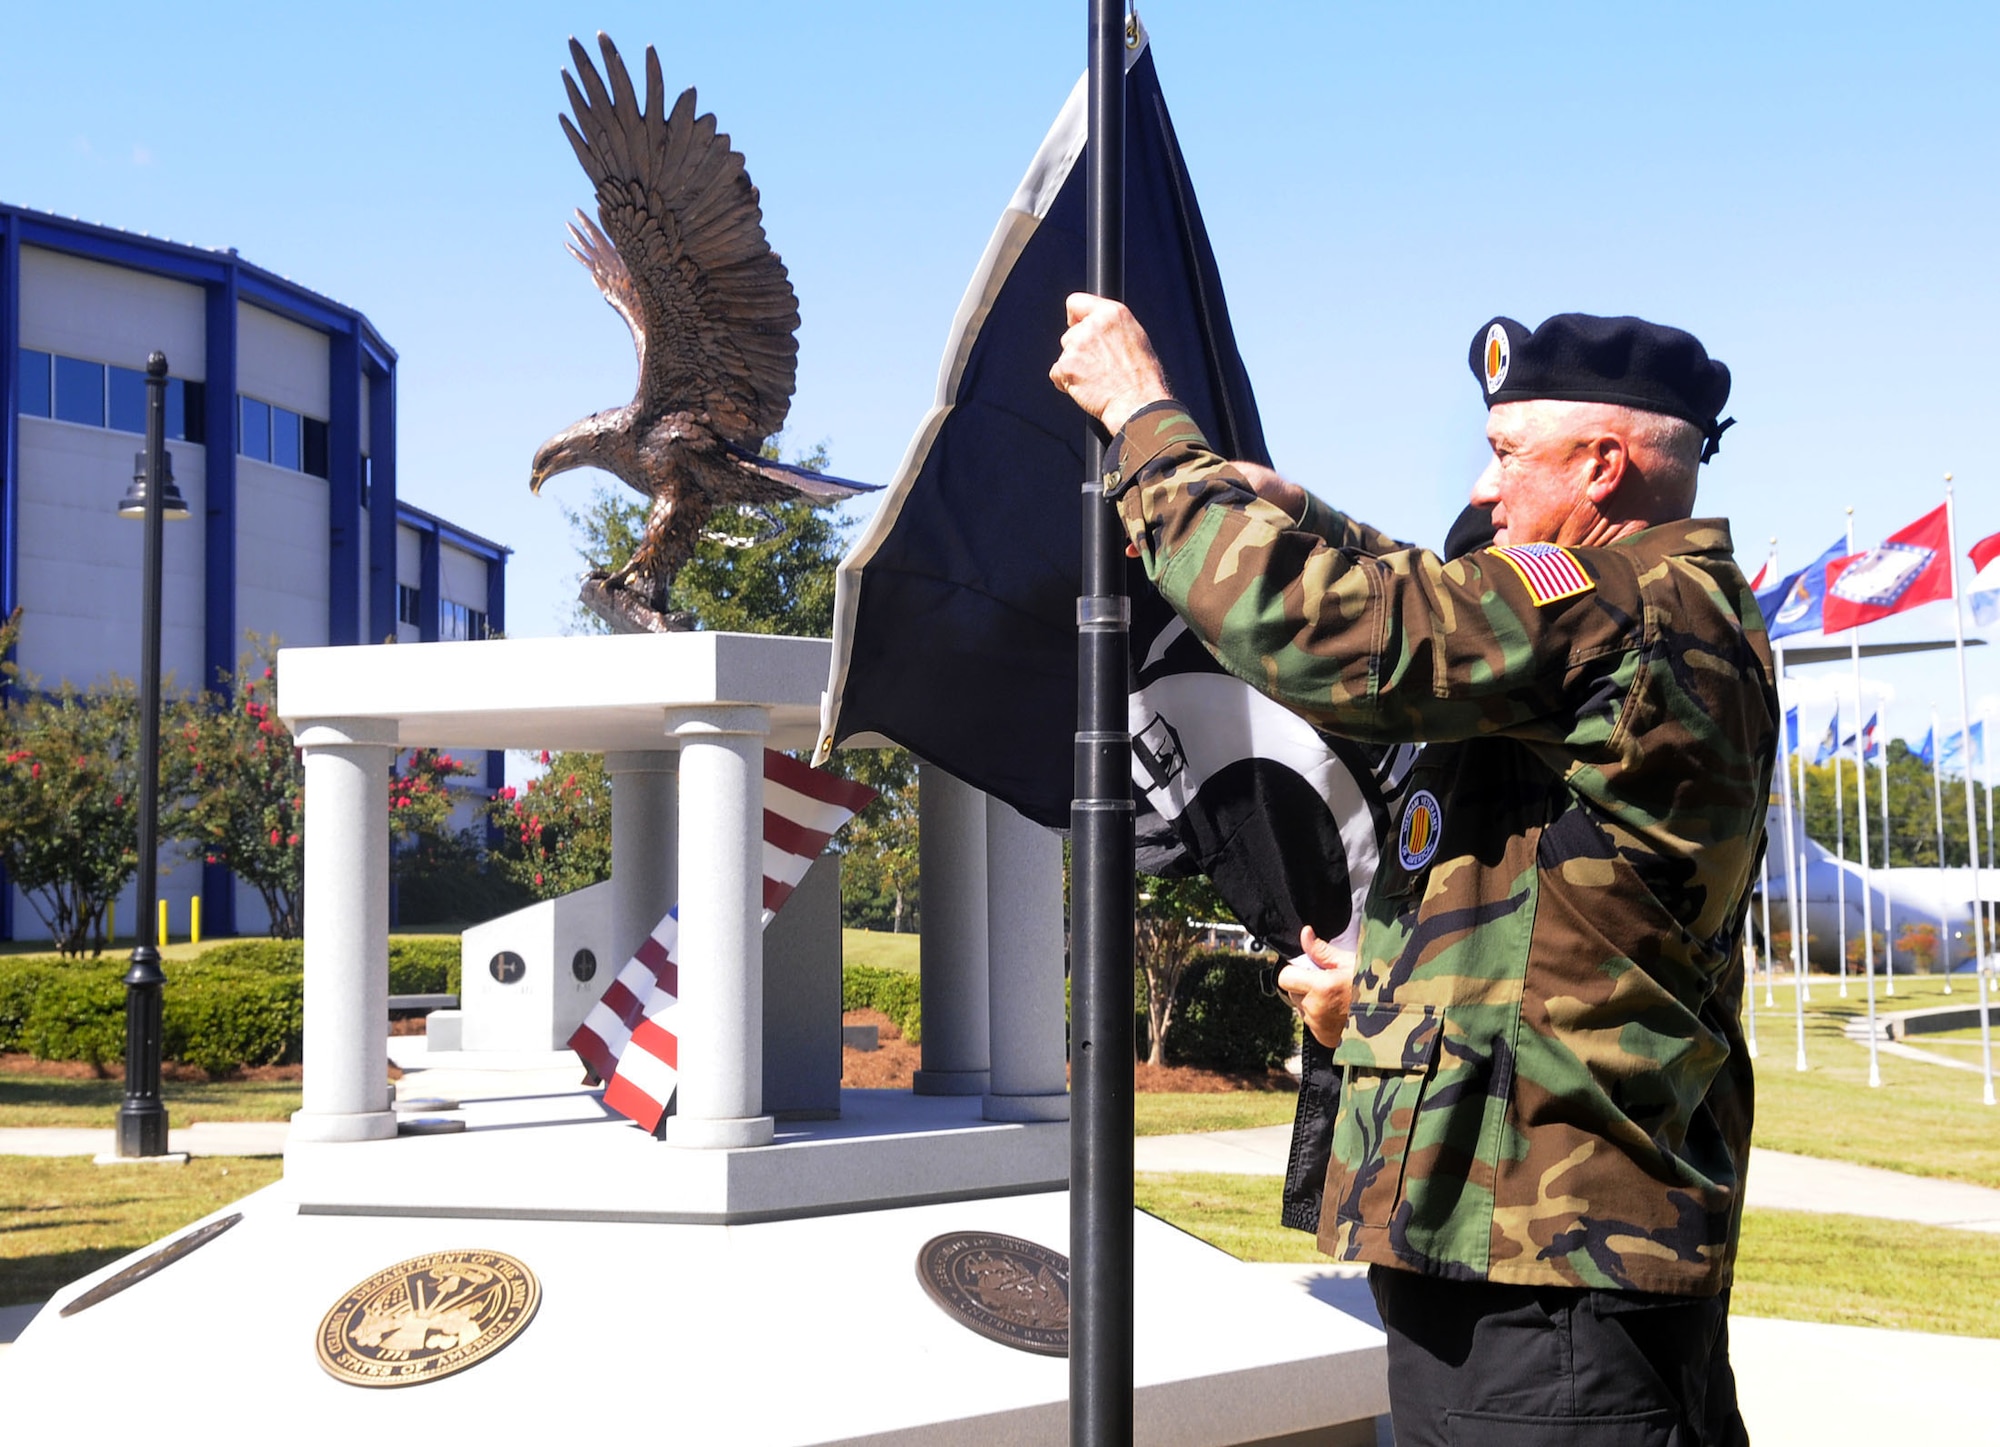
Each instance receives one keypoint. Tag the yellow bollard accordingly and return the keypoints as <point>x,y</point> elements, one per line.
<point>194,920</point>
<point>163,922</point>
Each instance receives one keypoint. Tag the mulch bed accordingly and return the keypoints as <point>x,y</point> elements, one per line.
<point>888,1068</point>
<point>169,1070</point>
<point>892,1066</point>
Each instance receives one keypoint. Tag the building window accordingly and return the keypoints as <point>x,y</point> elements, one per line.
<point>79,391</point>
<point>253,428</point>
<point>409,605</point>
<point>94,395</point>
<point>367,478</point>
<point>460,623</point>
<point>312,434</point>
<point>285,439</point>
<point>281,437</point>
<point>37,391</point>
<point>128,400</point>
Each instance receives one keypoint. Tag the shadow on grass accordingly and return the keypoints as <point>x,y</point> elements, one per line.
<point>27,1279</point>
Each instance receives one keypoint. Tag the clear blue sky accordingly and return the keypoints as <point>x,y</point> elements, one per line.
<point>1809,188</point>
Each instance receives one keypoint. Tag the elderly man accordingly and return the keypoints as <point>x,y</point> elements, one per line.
<point>1545,1113</point>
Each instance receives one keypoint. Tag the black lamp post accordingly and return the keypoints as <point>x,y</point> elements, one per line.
<point>142,1118</point>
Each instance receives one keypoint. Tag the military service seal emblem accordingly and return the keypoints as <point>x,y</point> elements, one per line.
<point>427,1318</point>
<point>1006,1289</point>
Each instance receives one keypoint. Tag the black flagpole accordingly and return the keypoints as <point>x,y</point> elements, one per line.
<point>1100,1173</point>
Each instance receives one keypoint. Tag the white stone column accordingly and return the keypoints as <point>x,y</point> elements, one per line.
<point>346,1088</point>
<point>951,864</point>
<point>1024,962</point>
<point>720,949</point>
<point>643,846</point>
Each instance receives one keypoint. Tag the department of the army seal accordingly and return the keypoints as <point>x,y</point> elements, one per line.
<point>427,1317</point>
<point>1009,1290</point>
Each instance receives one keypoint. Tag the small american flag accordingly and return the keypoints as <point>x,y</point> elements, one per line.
<point>1552,573</point>
<point>628,1038</point>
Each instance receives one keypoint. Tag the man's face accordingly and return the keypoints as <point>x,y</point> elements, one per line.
<point>1534,484</point>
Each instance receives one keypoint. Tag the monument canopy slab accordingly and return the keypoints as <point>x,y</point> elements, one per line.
<point>597,694</point>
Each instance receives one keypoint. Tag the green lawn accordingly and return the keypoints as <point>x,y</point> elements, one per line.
<point>1164,1113</point>
<point>879,949</point>
<point>1890,1273</point>
<point>44,1100</point>
<point>1924,1119</point>
<point>62,1217</point>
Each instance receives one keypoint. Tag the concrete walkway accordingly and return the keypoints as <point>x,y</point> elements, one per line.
<point>207,1138</point>
<point>1777,1181</point>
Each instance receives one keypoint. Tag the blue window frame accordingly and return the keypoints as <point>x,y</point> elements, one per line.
<point>80,391</point>
<point>37,392</point>
<point>253,428</point>
<point>128,400</point>
<point>284,438</point>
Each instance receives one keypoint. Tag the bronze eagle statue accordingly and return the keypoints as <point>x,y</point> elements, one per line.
<point>679,251</point>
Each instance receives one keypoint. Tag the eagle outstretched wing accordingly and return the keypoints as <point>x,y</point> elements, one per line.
<point>682,255</point>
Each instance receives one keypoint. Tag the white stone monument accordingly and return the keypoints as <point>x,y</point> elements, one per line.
<point>762,1258</point>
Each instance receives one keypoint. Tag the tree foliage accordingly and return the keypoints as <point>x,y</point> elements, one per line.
<point>878,864</point>
<point>759,570</point>
<point>1165,943</point>
<point>1913,816</point>
<point>69,797</point>
<point>555,835</point>
<point>244,804</point>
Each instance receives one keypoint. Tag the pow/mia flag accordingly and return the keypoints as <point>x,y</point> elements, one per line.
<point>955,614</point>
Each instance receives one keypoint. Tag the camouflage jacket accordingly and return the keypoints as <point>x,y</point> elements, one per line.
<point>1544,1077</point>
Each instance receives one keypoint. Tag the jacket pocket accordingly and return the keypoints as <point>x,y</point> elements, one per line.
<point>1500,1429</point>
<point>1389,1055</point>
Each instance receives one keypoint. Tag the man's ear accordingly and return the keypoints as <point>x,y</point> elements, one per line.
<point>1608,461</point>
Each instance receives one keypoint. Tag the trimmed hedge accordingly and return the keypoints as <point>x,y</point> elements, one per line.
<point>239,1004</point>
<point>893,992</point>
<point>427,965</point>
<point>1224,1020</point>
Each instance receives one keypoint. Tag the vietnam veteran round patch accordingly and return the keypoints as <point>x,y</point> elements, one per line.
<point>427,1317</point>
<point>1423,823</point>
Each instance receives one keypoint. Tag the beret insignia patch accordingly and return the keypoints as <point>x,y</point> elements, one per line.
<point>1551,573</point>
<point>1497,357</point>
<point>1422,827</point>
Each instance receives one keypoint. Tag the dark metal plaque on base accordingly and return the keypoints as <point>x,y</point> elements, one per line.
<point>1006,1289</point>
<point>427,1317</point>
<point>139,1270</point>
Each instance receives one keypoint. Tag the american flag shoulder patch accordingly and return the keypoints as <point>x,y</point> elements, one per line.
<point>1552,573</point>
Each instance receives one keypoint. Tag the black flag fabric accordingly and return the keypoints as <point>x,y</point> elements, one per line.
<point>955,616</point>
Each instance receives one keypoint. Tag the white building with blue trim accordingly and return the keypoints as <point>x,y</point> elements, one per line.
<point>281,418</point>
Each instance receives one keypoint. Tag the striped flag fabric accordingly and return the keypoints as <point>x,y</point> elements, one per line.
<point>627,1040</point>
<point>1552,573</point>
<point>1984,592</point>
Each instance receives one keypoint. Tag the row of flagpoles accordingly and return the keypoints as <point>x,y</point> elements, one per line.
<point>1843,590</point>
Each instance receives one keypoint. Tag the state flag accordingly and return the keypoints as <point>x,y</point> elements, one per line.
<point>1792,604</point>
<point>1957,756</point>
<point>1829,744</point>
<point>1906,569</point>
<point>1984,593</point>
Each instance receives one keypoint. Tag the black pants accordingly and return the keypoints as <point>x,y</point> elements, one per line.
<point>1475,1365</point>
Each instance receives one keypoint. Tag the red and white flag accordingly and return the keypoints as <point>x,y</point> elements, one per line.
<point>1905,569</point>
<point>1984,594</point>
<point>627,1040</point>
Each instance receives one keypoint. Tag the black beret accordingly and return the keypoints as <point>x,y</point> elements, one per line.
<point>1473,529</point>
<point>1621,360</point>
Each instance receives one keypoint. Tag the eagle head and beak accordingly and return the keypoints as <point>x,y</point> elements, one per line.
<point>589,443</point>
